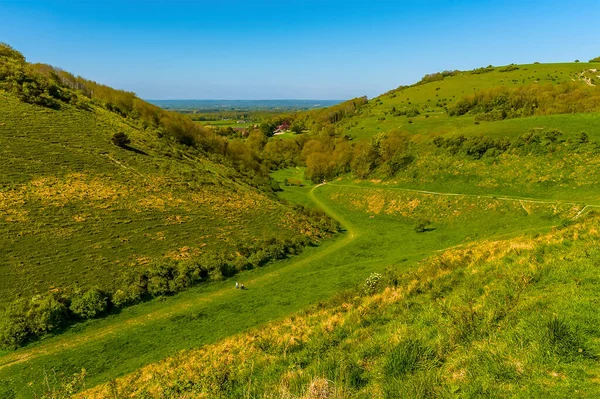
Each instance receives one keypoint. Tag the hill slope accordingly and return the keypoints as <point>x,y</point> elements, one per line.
<point>142,219</point>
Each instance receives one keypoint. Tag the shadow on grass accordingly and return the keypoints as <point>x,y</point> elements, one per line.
<point>133,149</point>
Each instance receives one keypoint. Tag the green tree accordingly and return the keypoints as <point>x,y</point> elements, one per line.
<point>89,304</point>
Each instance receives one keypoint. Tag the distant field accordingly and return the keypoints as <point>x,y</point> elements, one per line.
<point>227,123</point>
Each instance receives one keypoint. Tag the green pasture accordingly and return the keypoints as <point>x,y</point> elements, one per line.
<point>144,333</point>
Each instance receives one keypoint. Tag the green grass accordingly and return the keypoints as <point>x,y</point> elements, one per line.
<point>145,333</point>
<point>498,319</point>
<point>429,98</point>
<point>77,210</point>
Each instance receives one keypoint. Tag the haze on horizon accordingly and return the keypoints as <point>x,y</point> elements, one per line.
<point>291,49</point>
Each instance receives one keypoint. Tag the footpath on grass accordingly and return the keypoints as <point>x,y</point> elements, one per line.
<point>214,306</point>
<point>151,331</point>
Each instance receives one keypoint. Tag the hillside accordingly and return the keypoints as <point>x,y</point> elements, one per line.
<point>435,93</point>
<point>126,222</point>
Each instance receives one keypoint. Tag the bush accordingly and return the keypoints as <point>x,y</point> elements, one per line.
<point>25,320</point>
<point>372,284</point>
<point>90,304</point>
<point>597,59</point>
<point>121,139</point>
<point>47,314</point>
<point>508,68</point>
<point>421,225</point>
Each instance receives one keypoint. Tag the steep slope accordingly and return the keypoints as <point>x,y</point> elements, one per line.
<point>148,218</point>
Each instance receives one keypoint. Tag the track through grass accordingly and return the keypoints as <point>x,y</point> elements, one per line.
<point>144,333</point>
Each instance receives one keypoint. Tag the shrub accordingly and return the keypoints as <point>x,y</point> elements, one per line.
<point>421,225</point>
<point>371,284</point>
<point>90,304</point>
<point>25,320</point>
<point>508,68</point>
<point>597,59</point>
<point>47,314</point>
<point>121,139</point>
<point>14,329</point>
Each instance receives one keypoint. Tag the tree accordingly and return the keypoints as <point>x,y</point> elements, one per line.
<point>318,167</point>
<point>89,304</point>
<point>298,126</point>
<point>268,128</point>
<point>597,59</point>
<point>121,139</point>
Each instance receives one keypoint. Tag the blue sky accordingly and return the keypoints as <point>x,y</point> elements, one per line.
<point>274,49</point>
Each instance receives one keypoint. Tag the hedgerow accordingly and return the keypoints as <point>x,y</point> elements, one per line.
<point>25,320</point>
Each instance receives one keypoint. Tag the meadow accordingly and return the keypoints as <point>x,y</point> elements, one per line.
<point>374,238</point>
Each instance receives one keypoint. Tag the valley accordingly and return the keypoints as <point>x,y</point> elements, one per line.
<point>439,240</point>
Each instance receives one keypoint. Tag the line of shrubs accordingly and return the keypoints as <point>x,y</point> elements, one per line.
<point>500,103</point>
<point>530,143</point>
<point>25,320</point>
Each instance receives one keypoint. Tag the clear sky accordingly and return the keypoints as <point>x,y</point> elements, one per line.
<point>275,49</point>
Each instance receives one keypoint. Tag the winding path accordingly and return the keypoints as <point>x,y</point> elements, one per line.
<point>62,343</point>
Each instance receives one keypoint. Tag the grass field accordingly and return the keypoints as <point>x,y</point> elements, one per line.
<point>498,319</point>
<point>373,241</point>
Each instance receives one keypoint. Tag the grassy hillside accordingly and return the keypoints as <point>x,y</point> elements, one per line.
<point>377,235</point>
<point>465,262</point>
<point>507,318</point>
<point>88,226</point>
<point>432,97</point>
